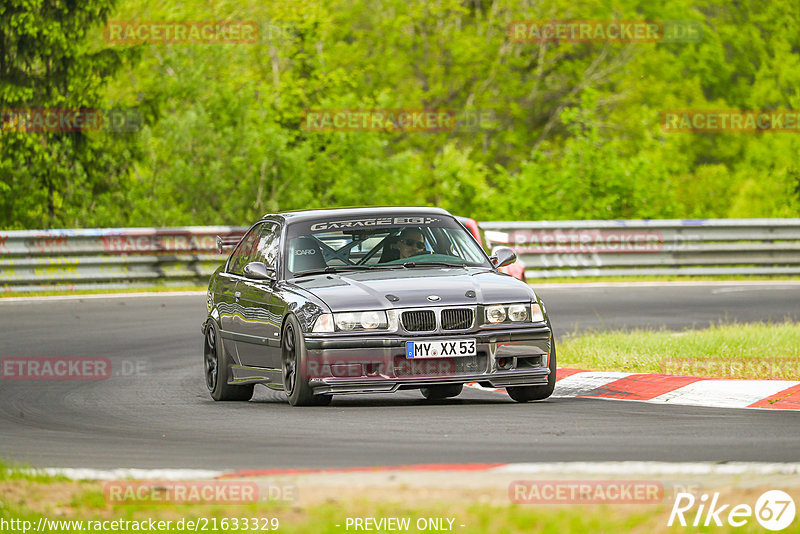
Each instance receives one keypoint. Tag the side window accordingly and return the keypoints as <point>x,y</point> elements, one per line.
<point>465,246</point>
<point>267,248</point>
<point>245,251</point>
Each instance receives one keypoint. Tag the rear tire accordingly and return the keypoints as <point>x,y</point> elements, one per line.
<point>442,392</point>
<point>533,393</point>
<point>217,370</point>
<point>294,358</point>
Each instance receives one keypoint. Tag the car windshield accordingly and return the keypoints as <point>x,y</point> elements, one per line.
<point>380,243</point>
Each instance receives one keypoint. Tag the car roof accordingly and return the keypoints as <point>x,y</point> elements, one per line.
<point>374,211</point>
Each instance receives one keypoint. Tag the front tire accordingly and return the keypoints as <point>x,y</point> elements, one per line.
<point>294,357</point>
<point>442,392</point>
<point>533,393</point>
<point>217,368</point>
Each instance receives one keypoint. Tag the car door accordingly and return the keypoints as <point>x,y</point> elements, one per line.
<point>259,340</point>
<point>229,307</point>
<point>232,314</point>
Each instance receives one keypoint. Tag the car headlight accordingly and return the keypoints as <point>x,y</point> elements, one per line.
<point>346,321</point>
<point>495,314</point>
<point>371,320</point>
<point>518,313</point>
<point>356,321</point>
<point>514,313</point>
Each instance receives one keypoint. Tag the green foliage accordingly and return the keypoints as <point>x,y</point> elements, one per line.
<point>575,132</point>
<point>46,62</point>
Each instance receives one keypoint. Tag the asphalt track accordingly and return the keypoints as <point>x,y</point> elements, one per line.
<point>155,411</point>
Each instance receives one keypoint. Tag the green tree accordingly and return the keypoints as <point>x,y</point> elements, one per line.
<point>576,130</point>
<point>55,178</point>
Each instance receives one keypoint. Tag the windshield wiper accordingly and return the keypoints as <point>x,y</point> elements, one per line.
<point>345,268</point>
<point>316,271</point>
<point>365,267</point>
<point>412,264</point>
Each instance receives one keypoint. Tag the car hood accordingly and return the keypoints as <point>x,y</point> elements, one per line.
<point>410,288</point>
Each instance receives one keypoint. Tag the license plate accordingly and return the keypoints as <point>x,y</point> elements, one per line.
<point>439,349</point>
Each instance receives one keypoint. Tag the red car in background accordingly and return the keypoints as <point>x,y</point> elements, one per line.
<point>516,269</point>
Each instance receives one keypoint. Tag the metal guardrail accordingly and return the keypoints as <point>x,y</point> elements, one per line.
<point>652,247</point>
<point>35,260</point>
<point>65,260</point>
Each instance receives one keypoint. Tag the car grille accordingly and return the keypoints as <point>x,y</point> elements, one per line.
<point>456,318</point>
<point>425,320</point>
<point>467,365</point>
<point>419,320</point>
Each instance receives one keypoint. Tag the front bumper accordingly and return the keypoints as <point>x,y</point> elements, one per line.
<point>373,364</point>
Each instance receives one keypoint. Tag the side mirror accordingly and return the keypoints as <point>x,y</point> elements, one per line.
<point>256,270</point>
<point>502,256</point>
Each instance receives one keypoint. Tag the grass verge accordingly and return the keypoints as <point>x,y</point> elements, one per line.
<point>24,500</point>
<point>752,350</point>
<point>25,473</point>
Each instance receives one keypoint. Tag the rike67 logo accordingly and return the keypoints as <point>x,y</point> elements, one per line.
<point>774,510</point>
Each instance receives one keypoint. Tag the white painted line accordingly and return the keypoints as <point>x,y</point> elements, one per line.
<point>744,289</point>
<point>653,468</point>
<point>126,473</point>
<point>583,383</point>
<point>724,393</point>
<point>102,296</point>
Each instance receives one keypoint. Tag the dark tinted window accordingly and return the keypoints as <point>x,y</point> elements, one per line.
<point>379,242</point>
<point>247,249</point>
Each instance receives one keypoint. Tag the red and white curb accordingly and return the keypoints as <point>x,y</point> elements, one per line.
<point>683,390</point>
<point>554,468</point>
